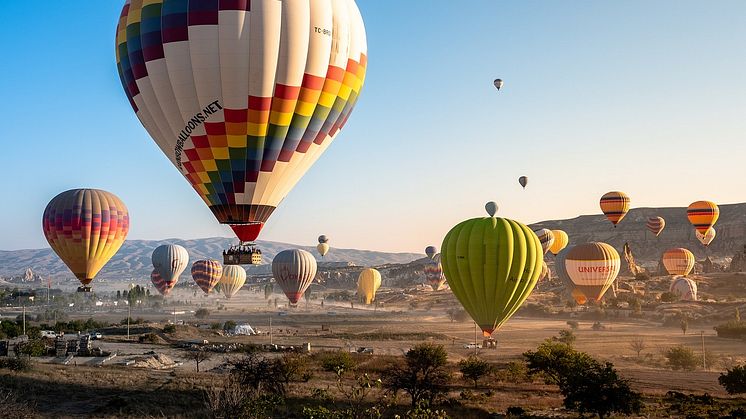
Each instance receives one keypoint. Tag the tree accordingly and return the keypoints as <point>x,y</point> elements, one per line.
<point>229,325</point>
<point>202,313</point>
<point>637,344</point>
<point>473,368</point>
<point>681,358</point>
<point>338,362</point>
<point>565,336</point>
<point>684,324</point>
<point>423,375</point>
<point>598,389</point>
<point>555,360</point>
<point>198,356</point>
<point>734,380</point>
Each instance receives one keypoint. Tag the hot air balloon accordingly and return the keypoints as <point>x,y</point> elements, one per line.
<point>678,261</point>
<point>242,96</point>
<point>656,225</point>
<point>703,215</point>
<point>233,278</point>
<point>546,238</point>
<point>170,260</point>
<point>492,265</point>
<point>491,208</point>
<point>431,251</point>
<point>323,239</point>
<point>684,288</point>
<point>323,249</point>
<point>593,267</point>
<point>207,273</point>
<point>615,206</point>
<point>164,287</point>
<point>294,270</point>
<point>523,181</point>
<point>561,240</point>
<point>367,285</point>
<point>706,238</point>
<point>544,271</point>
<point>85,227</point>
<point>433,271</point>
<point>578,296</point>
<point>498,84</point>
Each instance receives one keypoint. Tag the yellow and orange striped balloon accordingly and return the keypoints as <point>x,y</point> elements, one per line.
<point>561,240</point>
<point>678,261</point>
<point>615,206</point>
<point>703,215</point>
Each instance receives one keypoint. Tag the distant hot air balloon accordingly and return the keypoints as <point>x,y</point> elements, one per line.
<point>322,248</point>
<point>561,240</point>
<point>492,265</point>
<point>703,215</point>
<point>615,206</point>
<point>684,288</point>
<point>498,84</point>
<point>206,274</point>
<point>367,285</point>
<point>323,239</point>
<point>545,272</point>
<point>433,271</point>
<point>656,225</point>
<point>523,181</point>
<point>546,238</point>
<point>294,270</point>
<point>578,296</point>
<point>706,238</point>
<point>170,260</point>
<point>491,208</point>
<point>242,96</point>
<point>233,278</point>
<point>678,261</point>
<point>85,227</point>
<point>593,267</point>
<point>164,287</point>
<point>431,251</point>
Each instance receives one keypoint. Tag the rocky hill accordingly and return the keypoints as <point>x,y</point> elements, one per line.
<point>730,239</point>
<point>133,259</point>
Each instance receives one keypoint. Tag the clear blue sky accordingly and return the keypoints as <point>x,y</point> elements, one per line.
<point>648,97</point>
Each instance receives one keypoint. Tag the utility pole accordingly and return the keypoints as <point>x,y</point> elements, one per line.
<point>704,354</point>
<point>475,338</point>
<point>24,319</point>
<point>270,329</point>
<point>129,315</point>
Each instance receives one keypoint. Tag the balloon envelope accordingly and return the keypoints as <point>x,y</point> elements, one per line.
<point>430,251</point>
<point>164,287</point>
<point>233,278</point>
<point>323,239</point>
<point>593,267</point>
<point>242,96</point>
<point>498,84</point>
<point>323,249</point>
<point>491,208</point>
<point>706,238</point>
<point>678,261</point>
<point>433,271</point>
<point>546,238</point>
<point>656,225</point>
<point>492,265</point>
<point>170,260</point>
<point>684,288</point>
<point>615,206</point>
<point>206,274</point>
<point>294,270</point>
<point>368,283</point>
<point>703,215</point>
<point>85,228</point>
<point>561,240</point>
<point>523,181</point>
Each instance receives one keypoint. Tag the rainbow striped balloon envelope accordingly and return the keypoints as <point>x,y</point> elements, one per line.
<point>85,227</point>
<point>163,286</point>
<point>242,96</point>
<point>206,274</point>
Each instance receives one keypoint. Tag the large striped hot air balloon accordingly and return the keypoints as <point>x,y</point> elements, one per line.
<point>684,288</point>
<point>164,287</point>
<point>706,238</point>
<point>433,271</point>
<point>170,260</point>
<point>615,206</point>
<point>546,238</point>
<point>492,264</point>
<point>85,227</point>
<point>206,274</point>
<point>242,96</point>
<point>561,240</point>
<point>294,270</point>
<point>593,267</point>
<point>368,283</point>
<point>233,278</point>
<point>656,225</point>
<point>678,261</point>
<point>703,215</point>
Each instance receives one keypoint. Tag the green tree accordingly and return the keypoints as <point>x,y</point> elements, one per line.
<point>681,358</point>
<point>473,369</point>
<point>597,388</point>
<point>555,360</point>
<point>734,380</point>
<point>422,375</point>
<point>229,325</point>
<point>202,313</point>
<point>338,362</point>
<point>565,336</point>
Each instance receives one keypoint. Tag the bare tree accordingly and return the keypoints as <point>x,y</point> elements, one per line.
<point>198,356</point>
<point>638,344</point>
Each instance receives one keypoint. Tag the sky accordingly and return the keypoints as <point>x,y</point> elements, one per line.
<point>647,97</point>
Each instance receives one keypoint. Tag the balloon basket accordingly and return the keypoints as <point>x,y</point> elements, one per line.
<point>84,288</point>
<point>243,254</point>
<point>489,343</point>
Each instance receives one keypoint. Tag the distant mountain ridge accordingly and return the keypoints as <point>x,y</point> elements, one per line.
<point>133,259</point>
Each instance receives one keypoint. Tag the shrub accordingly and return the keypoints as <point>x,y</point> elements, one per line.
<point>229,325</point>
<point>216,326</point>
<point>15,363</point>
<point>598,326</point>
<point>734,329</point>
<point>473,368</point>
<point>423,375</point>
<point>34,347</point>
<point>33,332</point>
<point>734,380</point>
<point>148,338</point>
<point>169,328</point>
<point>573,324</point>
<point>337,362</point>
<point>565,336</point>
<point>681,358</point>
<point>669,297</point>
<point>202,313</point>
<point>515,411</point>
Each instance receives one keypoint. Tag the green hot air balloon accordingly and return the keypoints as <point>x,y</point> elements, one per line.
<point>492,264</point>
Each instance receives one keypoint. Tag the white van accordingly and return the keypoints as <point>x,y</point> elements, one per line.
<point>48,334</point>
